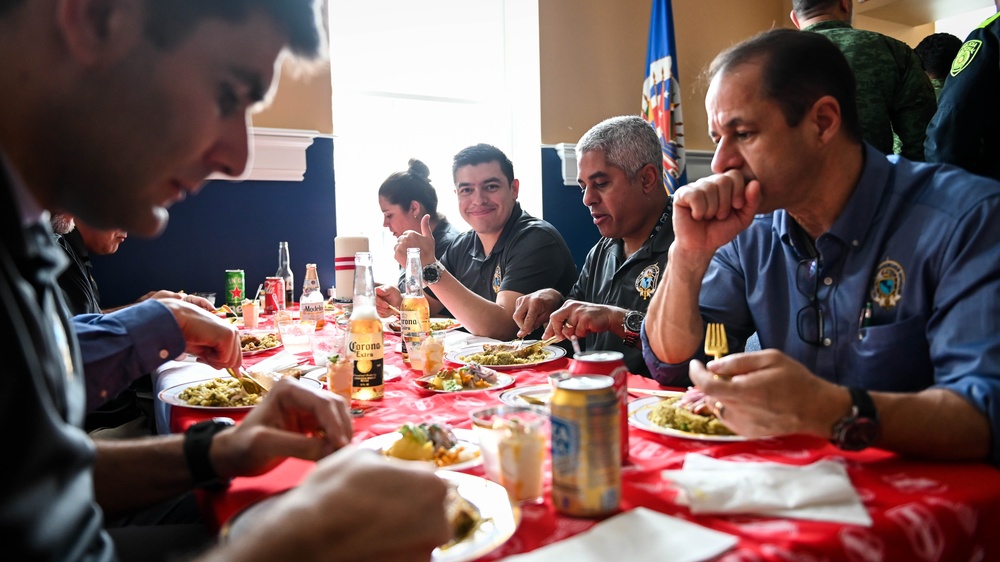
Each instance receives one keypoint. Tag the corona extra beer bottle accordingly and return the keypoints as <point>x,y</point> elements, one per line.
<point>416,314</point>
<point>365,341</point>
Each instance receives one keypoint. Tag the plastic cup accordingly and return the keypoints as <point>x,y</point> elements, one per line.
<point>427,354</point>
<point>512,441</point>
<point>326,342</point>
<point>339,377</point>
<point>250,314</point>
<point>295,335</point>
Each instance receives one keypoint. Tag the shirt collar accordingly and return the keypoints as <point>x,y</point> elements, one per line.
<point>827,24</point>
<point>31,212</point>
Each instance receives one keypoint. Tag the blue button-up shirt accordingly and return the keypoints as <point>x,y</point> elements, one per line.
<point>917,244</point>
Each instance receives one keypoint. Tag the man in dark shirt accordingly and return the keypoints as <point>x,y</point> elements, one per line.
<point>506,254</point>
<point>620,171</point>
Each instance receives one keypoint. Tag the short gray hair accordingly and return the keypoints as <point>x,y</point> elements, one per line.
<point>628,142</point>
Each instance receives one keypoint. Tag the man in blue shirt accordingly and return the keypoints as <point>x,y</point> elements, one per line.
<point>871,281</point>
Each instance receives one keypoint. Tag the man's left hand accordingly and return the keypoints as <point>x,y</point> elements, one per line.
<point>580,319</point>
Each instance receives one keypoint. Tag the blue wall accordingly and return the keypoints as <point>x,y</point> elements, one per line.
<point>232,225</point>
<point>562,205</point>
<point>238,226</point>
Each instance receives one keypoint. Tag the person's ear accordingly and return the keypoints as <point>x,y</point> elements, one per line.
<point>826,117</point>
<point>96,30</point>
<point>515,187</point>
<point>415,208</point>
<point>649,179</point>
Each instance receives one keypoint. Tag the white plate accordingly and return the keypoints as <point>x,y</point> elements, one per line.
<point>169,395</point>
<point>638,415</point>
<point>500,518</point>
<point>513,397</point>
<point>260,333</point>
<point>503,381</point>
<point>551,354</point>
<point>259,351</point>
<point>466,438</point>
<point>393,326</point>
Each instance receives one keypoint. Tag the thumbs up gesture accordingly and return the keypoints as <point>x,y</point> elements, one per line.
<point>412,239</point>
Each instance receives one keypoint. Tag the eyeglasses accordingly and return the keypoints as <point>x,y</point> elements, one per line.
<point>810,316</point>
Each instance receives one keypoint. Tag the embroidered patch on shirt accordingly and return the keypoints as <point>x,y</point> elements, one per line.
<point>888,286</point>
<point>646,282</point>
<point>965,56</point>
<point>497,277</point>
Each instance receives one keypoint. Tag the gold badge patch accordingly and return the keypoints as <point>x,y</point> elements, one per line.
<point>965,56</point>
<point>497,278</point>
<point>888,286</point>
<point>646,282</point>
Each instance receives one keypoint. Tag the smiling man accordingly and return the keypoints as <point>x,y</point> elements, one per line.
<point>620,171</point>
<point>112,110</point>
<point>870,280</point>
<point>506,254</point>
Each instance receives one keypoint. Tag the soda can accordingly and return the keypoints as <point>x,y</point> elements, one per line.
<point>612,364</point>
<point>274,294</point>
<point>586,471</point>
<point>235,287</point>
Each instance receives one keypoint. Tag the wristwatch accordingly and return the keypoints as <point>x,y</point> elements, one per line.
<point>197,442</point>
<point>632,325</point>
<point>860,428</point>
<point>432,272</point>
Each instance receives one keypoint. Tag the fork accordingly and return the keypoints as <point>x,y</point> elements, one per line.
<point>716,343</point>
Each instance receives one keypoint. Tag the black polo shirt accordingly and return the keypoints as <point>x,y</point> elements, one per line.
<point>76,281</point>
<point>609,278</point>
<point>529,255</point>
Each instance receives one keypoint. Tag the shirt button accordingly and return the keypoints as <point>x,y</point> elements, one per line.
<point>164,354</point>
<point>855,243</point>
<point>828,281</point>
<point>827,342</point>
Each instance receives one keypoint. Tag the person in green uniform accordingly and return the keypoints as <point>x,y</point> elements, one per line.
<point>894,95</point>
<point>936,51</point>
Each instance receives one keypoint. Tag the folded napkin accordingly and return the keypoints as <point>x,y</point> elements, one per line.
<point>639,535</point>
<point>820,491</point>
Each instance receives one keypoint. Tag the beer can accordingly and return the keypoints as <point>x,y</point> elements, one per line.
<point>274,294</point>
<point>612,364</point>
<point>235,287</point>
<point>586,471</point>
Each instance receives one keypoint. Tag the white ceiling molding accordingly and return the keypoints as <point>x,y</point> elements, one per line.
<point>279,155</point>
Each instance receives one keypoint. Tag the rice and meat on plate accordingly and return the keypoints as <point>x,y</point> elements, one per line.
<point>688,412</point>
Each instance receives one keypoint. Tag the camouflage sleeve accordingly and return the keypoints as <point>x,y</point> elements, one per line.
<point>970,94</point>
<point>913,107</point>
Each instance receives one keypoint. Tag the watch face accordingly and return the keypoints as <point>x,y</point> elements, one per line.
<point>633,321</point>
<point>431,274</point>
<point>860,434</point>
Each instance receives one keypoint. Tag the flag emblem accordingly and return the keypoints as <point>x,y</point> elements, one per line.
<point>661,99</point>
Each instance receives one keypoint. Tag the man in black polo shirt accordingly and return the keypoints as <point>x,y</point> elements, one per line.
<point>507,253</point>
<point>620,174</point>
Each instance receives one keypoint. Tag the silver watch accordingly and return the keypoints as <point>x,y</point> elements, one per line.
<point>432,272</point>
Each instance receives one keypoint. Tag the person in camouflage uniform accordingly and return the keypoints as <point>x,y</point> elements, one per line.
<point>894,94</point>
<point>964,129</point>
<point>936,52</point>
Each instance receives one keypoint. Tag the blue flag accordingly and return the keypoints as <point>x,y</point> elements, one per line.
<point>661,97</point>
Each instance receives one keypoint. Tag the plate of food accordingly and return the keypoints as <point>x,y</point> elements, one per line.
<point>253,343</point>
<point>437,325</point>
<point>681,415</point>
<point>318,374</point>
<point>481,517</point>
<point>469,378</point>
<point>222,393</point>
<point>505,355</point>
<point>446,448</point>
<point>535,395</point>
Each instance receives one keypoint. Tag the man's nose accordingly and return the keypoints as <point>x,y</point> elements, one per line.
<point>231,153</point>
<point>726,157</point>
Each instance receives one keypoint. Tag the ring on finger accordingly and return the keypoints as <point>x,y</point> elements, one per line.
<point>720,409</point>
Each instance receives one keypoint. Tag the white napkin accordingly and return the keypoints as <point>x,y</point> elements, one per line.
<point>639,535</point>
<point>820,491</point>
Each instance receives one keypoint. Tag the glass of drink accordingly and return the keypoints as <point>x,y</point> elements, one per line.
<point>427,353</point>
<point>339,376</point>
<point>326,342</point>
<point>250,314</point>
<point>295,335</point>
<point>512,440</point>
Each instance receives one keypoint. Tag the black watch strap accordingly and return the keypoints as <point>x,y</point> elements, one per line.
<point>197,442</point>
<point>860,428</point>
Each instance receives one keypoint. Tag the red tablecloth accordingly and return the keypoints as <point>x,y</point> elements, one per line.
<point>921,510</point>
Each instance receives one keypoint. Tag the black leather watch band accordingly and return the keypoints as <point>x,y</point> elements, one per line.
<point>197,442</point>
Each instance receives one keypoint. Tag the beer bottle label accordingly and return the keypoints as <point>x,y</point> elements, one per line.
<point>368,361</point>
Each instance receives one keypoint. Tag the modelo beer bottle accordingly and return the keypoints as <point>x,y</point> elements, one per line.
<point>415,317</point>
<point>311,303</point>
<point>364,337</point>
